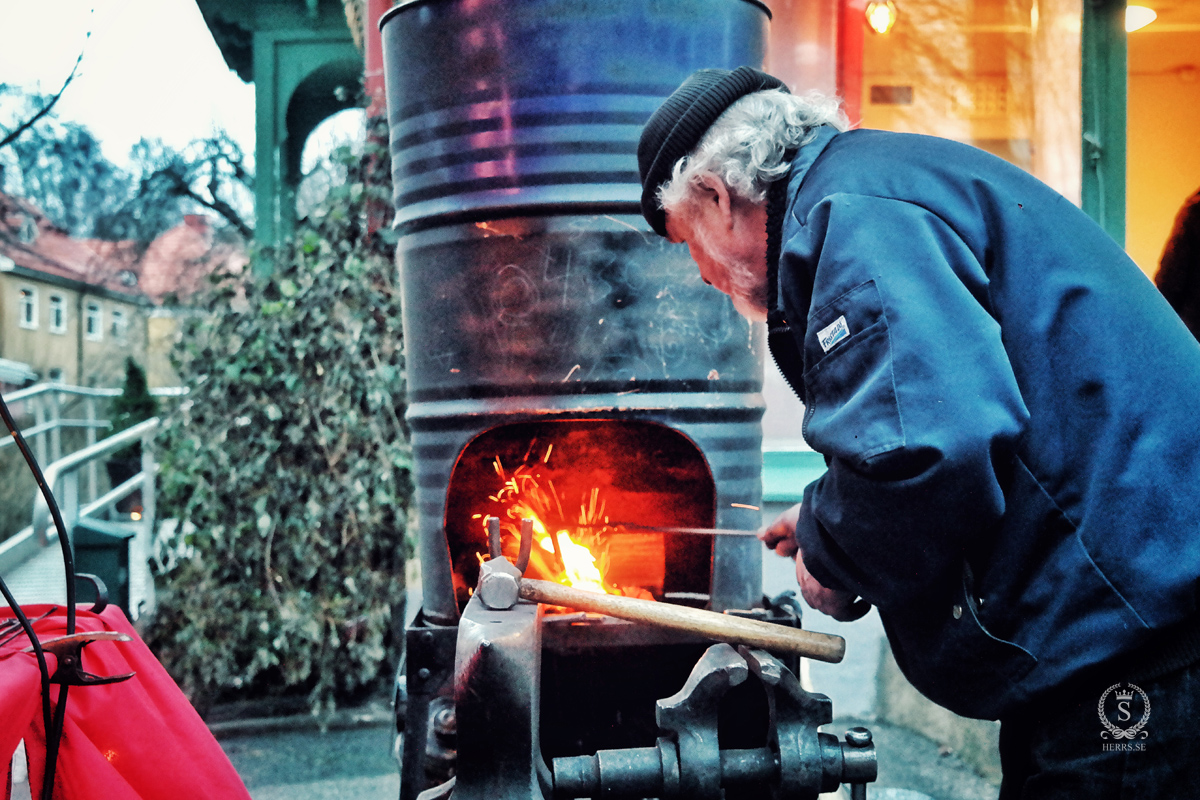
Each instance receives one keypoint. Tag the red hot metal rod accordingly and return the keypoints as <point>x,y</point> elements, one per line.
<point>633,527</point>
<point>719,627</point>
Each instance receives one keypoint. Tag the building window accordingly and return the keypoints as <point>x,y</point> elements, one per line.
<point>28,232</point>
<point>94,323</point>
<point>27,314</point>
<point>118,325</point>
<point>58,314</point>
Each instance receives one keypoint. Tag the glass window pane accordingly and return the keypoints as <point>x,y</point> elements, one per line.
<point>1003,75</point>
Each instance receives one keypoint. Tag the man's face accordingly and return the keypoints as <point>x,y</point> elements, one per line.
<point>729,247</point>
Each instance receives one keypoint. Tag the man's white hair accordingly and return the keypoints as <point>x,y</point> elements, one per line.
<point>745,146</point>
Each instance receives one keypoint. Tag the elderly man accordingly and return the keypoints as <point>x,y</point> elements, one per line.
<point>1007,407</point>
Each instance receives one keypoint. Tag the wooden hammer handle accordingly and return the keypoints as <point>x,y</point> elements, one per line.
<point>721,627</point>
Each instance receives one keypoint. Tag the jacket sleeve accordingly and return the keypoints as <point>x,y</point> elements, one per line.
<point>909,394</point>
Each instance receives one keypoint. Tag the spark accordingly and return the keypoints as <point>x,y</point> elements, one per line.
<point>626,224</point>
<point>581,556</point>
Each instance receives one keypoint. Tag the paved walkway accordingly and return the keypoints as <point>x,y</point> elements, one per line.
<point>308,765</point>
<point>41,579</point>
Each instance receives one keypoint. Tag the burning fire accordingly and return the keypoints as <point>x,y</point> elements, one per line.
<point>579,565</point>
<point>569,551</point>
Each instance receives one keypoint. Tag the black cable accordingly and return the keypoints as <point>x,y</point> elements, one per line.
<point>56,515</point>
<point>53,727</point>
<point>52,742</point>
<point>37,649</point>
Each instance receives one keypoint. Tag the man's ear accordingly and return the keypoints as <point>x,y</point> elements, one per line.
<point>717,198</point>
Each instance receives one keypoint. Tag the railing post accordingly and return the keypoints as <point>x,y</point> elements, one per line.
<point>39,419</point>
<point>89,413</point>
<point>69,500</point>
<point>149,503</point>
<point>63,477</point>
<point>66,495</point>
<point>56,429</point>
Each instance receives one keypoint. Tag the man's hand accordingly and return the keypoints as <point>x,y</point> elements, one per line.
<point>842,606</point>
<point>780,536</point>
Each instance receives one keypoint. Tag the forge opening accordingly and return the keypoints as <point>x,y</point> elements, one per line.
<point>578,479</point>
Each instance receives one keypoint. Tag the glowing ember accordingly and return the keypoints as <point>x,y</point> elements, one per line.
<point>579,564</point>
<point>570,551</point>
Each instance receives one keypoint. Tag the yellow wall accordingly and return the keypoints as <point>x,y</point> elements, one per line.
<point>1164,136</point>
<point>103,362</point>
<point>162,330</point>
<point>38,347</point>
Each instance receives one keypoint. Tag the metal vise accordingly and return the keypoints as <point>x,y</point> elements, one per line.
<point>797,762</point>
<point>498,694</point>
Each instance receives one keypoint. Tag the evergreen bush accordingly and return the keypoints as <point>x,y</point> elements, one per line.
<point>288,466</point>
<point>132,406</point>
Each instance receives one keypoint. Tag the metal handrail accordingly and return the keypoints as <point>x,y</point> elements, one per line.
<point>71,463</point>
<point>61,388</point>
<point>61,422</point>
<point>48,399</point>
<point>85,391</point>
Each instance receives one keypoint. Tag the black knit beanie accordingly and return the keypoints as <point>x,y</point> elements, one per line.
<point>681,121</point>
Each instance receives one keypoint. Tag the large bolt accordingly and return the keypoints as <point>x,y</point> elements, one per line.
<point>444,721</point>
<point>499,584</point>
<point>858,761</point>
<point>858,737</point>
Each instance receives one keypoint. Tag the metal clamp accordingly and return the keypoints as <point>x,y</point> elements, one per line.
<point>68,651</point>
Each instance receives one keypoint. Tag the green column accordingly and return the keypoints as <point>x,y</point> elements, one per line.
<point>292,66</point>
<point>266,162</point>
<point>1105,76</point>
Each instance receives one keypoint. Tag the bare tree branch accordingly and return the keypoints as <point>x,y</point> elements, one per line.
<point>216,204</point>
<point>46,109</point>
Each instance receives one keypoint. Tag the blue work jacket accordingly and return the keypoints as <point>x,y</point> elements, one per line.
<point>1008,410</point>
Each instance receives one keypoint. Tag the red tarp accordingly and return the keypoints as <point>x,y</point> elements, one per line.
<point>136,740</point>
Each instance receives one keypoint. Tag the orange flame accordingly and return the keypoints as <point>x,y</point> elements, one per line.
<point>580,557</point>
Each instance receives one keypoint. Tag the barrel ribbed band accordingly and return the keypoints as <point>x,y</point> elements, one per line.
<point>680,122</point>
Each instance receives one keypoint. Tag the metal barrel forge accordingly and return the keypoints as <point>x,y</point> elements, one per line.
<point>540,310</point>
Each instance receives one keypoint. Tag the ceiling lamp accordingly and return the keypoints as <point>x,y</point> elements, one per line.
<point>881,15</point>
<point>1136,17</point>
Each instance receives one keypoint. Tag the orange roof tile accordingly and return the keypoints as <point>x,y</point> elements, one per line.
<point>174,263</point>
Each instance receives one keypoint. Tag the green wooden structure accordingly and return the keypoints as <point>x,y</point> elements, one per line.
<point>1104,91</point>
<point>305,63</point>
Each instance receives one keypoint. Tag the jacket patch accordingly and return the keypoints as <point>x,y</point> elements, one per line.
<point>833,333</point>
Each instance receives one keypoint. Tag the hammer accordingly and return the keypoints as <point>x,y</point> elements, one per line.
<point>502,584</point>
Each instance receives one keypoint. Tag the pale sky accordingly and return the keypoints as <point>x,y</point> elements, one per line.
<point>149,69</point>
